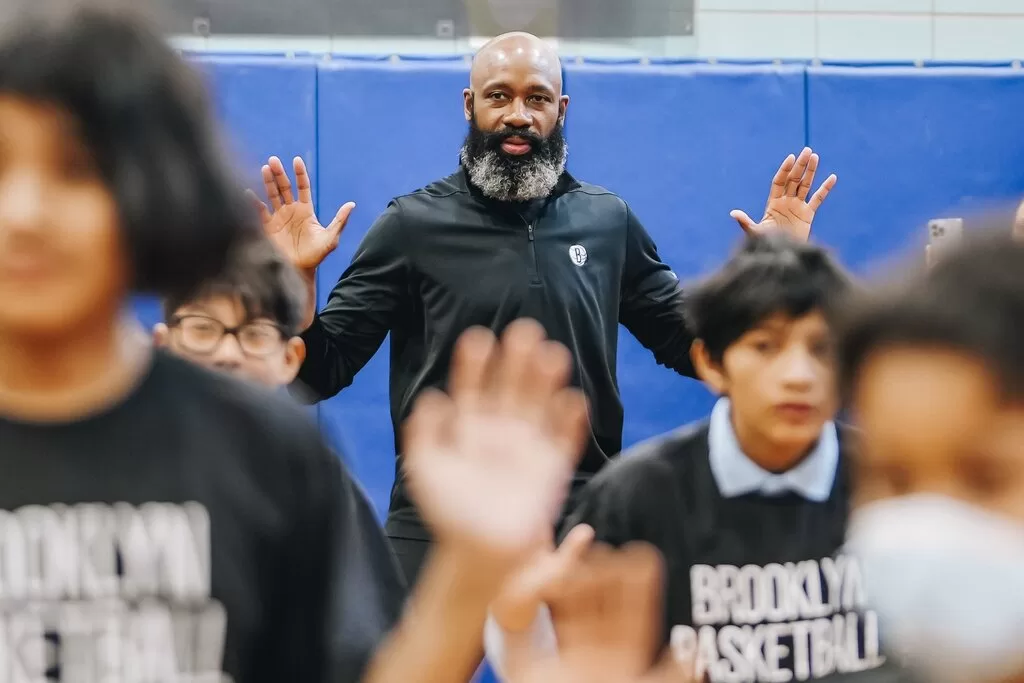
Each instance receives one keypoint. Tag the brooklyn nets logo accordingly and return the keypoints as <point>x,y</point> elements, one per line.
<point>578,254</point>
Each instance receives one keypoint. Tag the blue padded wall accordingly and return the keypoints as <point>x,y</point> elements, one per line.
<point>265,106</point>
<point>684,145</point>
<point>910,144</point>
<point>384,130</point>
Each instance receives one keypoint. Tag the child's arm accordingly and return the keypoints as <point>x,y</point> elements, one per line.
<point>519,623</point>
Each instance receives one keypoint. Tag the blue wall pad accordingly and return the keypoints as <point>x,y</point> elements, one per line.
<point>683,145</point>
<point>911,144</point>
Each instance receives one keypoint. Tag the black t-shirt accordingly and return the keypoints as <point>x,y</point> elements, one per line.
<point>199,526</point>
<point>755,583</point>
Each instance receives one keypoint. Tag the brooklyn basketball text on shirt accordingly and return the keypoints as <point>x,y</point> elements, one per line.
<point>108,593</point>
<point>779,623</point>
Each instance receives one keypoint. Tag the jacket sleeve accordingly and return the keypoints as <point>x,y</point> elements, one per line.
<point>360,311</point>
<point>651,305</point>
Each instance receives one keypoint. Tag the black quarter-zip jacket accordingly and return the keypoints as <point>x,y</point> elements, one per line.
<point>445,258</point>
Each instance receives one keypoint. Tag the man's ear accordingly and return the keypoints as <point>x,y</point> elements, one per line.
<point>710,372</point>
<point>467,104</point>
<point>563,104</point>
<point>161,335</point>
<point>294,355</point>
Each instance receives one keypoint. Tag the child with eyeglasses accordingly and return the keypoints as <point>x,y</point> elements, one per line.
<point>244,322</point>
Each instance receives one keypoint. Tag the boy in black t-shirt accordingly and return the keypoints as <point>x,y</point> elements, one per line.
<point>933,369</point>
<point>749,508</point>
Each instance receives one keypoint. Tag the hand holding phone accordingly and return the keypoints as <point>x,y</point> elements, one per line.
<point>944,234</point>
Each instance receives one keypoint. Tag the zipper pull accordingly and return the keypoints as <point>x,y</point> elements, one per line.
<point>529,231</point>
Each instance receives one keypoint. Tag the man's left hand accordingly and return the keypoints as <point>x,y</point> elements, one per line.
<point>788,208</point>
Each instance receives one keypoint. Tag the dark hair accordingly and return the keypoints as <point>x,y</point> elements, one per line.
<point>769,274</point>
<point>264,283</point>
<point>971,301</point>
<point>143,114</point>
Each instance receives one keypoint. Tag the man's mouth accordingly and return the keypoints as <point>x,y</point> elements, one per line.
<point>516,146</point>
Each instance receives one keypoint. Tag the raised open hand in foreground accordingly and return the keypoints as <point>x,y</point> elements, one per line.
<point>489,463</point>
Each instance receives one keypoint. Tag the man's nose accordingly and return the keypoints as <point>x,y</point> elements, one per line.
<point>518,116</point>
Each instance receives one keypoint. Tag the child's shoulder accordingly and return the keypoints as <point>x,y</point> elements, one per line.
<point>665,456</point>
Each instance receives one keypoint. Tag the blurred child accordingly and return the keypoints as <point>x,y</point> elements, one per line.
<point>157,521</point>
<point>934,371</point>
<point>244,322</point>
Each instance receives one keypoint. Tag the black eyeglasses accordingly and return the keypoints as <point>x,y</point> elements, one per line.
<point>202,335</point>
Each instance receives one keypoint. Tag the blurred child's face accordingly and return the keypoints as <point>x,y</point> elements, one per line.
<point>215,333</point>
<point>932,422</point>
<point>62,260</point>
<point>779,380</point>
<point>939,519</point>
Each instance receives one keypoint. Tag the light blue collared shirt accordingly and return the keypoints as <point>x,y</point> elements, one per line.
<point>737,475</point>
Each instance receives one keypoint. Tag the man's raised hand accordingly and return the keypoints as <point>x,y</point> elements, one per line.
<point>290,222</point>
<point>490,462</point>
<point>788,208</point>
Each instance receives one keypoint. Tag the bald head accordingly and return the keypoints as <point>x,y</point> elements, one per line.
<point>516,82</point>
<point>523,51</point>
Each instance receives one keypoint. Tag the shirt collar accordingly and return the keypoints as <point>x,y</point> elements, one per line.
<point>737,475</point>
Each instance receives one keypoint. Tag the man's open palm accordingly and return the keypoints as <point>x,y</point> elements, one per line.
<point>292,224</point>
<point>489,463</point>
<point>788,208</point>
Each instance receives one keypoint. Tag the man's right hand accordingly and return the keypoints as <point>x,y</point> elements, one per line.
<point>292,225</point>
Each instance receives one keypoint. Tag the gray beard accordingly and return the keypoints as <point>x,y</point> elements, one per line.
<point>535,179</point>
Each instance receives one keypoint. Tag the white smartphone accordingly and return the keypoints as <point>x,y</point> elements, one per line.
<point>945,233</point>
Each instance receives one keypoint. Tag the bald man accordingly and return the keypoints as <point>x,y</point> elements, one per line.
<point>510,234</point>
